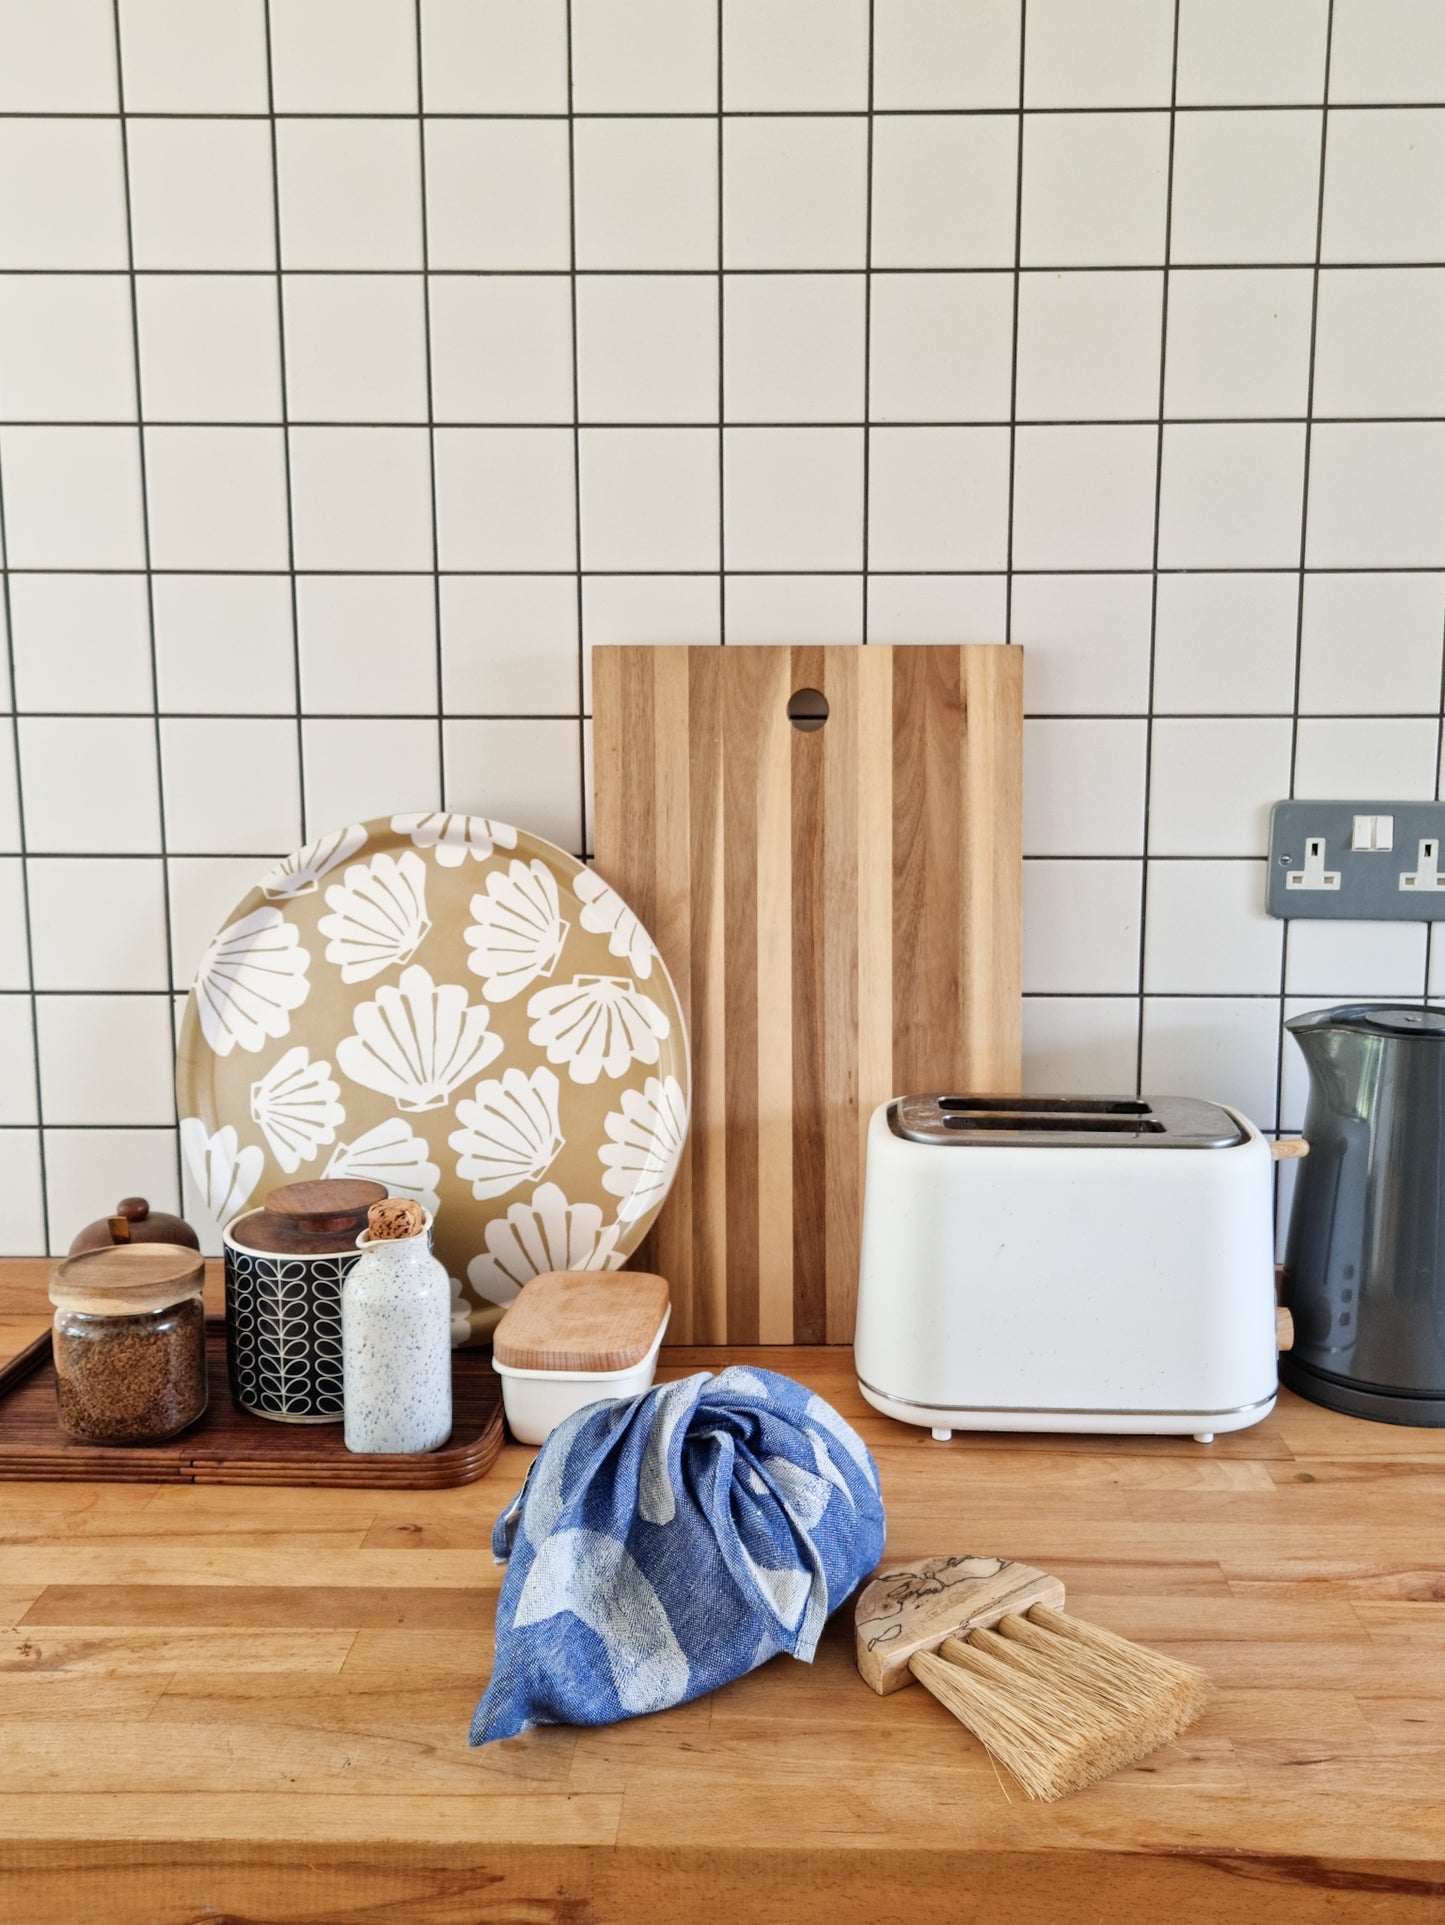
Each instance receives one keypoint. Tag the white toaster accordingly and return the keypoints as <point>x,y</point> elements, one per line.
<point>1067,1264</point>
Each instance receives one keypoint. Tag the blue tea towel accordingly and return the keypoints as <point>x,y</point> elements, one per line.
<point>665,1544</point>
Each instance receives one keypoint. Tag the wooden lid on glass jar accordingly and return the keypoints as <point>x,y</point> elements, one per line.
<point>315,1219</point>
<point>582,1320</point>
<point>128,1279</point>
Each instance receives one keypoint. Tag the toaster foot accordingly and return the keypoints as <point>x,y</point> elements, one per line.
<point>941,1436</point>
<point>1204,1436</point>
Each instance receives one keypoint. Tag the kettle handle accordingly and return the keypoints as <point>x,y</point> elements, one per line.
<point>1286,1148</point>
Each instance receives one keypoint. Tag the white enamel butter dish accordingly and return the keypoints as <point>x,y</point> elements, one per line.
<point>574,1337</point>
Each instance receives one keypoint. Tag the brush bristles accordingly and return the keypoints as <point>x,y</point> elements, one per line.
<point>1059,1702</point>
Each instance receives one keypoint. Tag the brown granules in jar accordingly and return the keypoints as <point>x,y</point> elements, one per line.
<point>131,1380</point>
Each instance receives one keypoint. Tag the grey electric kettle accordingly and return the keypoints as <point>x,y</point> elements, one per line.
<point>1365,1269</point>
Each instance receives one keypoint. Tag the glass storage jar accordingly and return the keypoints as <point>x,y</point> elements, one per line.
<point>130,1343</point>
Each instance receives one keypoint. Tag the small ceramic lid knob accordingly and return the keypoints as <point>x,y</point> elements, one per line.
<point>134,1221</point>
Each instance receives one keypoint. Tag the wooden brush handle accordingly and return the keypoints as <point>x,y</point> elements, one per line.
<point>909,1608</point>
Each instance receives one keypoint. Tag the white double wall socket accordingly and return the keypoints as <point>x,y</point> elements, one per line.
<point>1357,861</point>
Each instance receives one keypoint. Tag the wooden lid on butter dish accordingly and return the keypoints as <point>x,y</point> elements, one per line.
<point>582,1320</point>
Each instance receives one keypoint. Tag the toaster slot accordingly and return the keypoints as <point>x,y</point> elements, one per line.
<point>1083,1122</point>
<point>1044,1105</point>
<point>1031,1122</point>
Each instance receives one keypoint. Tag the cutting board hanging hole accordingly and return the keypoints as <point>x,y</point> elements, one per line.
<point>808,709</point>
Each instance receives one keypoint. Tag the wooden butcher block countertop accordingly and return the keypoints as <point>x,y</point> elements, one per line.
<point>252,1704</point>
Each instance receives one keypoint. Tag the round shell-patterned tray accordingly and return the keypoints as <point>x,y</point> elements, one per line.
<point>458,1010</point>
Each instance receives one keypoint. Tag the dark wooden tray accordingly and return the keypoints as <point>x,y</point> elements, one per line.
<point>228,1446</point>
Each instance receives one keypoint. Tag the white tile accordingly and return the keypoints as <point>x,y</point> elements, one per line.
<point>494,57</point>
<point>1372,643</point>
<point>105,1059</point>
<point>1231,495</point>
<point>1225,642</point>
<point>72,497</point>
<point>1377,347</point>
<point>355,771</point>
<point>649,498</point>
<point>528,773</point>
<point>350,193</point>
<point>1094,190</point>
<point>1387,956</point>
<point>646,194</point>
<point>795,193</point>
<point>497,194</point>
<point>205,893</point>
<point>935,608</point>
<point>1086,643</point>
<point>231,787</point>
<point>344,56</point>
<point>1339,759</point>
<point>794,610</point>
<point>1081,927</point>
<point>217,497</point>
<point>794,346</point>
<point>62,194</point>
<point>644,56</point>
<point>1223,1049</point>
<point>1437,971</point>
<point>941,347</point>
<point>57,58</point>
<point>98,923</point>
<point>22,1217</point>
<point>501,347</point>
<point>793,497</point>
<point>792,56</point>
<point>210,347</point>
<point>1239,342</point>
<point>224,643</point>
<point>1246,186</point>
<point>200,194</point>
<point>355,347</point>
<point>1080,1045</point>
<point>945,190</point>
<point>945,53</point>
<point>1084,788</point>
<point>1088,346</point>
<point>509,645</point>
<point>1084,497</point>
<point>81,643</point>
<point>1377,495</point>
<point>14,930</point>
<point>1387,50</point>
<point>938,498</point>
<point>17,1052</point>
<point>10,796</point>
<point>66,352</point>
<point>1251,52</point>
<point>647,348</point>
<point>1099,53</point>
<point>651,610</point>
<point>368,644</point>
<point>179,58</point>
<point>90,785</point>
<point>361,497</point>
<point>1212,784</point>
<point>1207,930</point>
<point>87,1170</point>
<point>1385,186</point>
<point>506,498</point>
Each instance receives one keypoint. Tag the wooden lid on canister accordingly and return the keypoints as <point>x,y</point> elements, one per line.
<point>582,1320</point>
<point>318,1218</point>
<point>127,1279</point>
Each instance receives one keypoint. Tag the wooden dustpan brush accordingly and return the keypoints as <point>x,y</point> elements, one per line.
<point>1061,1703</point>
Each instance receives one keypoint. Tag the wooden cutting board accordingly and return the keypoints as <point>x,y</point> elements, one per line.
<point>839,909</point>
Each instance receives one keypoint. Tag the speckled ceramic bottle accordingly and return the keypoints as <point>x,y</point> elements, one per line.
<point>396,1346</point>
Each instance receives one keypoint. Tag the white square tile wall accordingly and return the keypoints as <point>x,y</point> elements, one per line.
<point>363,363</point>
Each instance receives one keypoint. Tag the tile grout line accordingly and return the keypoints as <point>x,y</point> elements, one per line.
<point>1077,110</point>
<point>722,410</point>
<point>866,612</point>
<point>431,434</point>
<point>1013,389</point>
<point>579,610</point>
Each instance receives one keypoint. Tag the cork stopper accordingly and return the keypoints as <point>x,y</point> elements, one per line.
<point>397,1217</point>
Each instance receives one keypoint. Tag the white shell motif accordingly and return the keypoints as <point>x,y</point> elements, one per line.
<point>606,914</point>
<point>391,1154</point>
<point>549,1233</point>
<point>223,1171</point>
<point>510,1133</point>
<point>296,1105</point>
<point>518,933</point>
<point>299,874</point>
<point>645,1139</point>
<point>417,1041</point>
<point>250,979</point>
<point>378,915</point>
<point>597,1023</point>
<point>455,837</point>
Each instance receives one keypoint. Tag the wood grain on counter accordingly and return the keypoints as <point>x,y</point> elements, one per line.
<point>251,1704</point>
